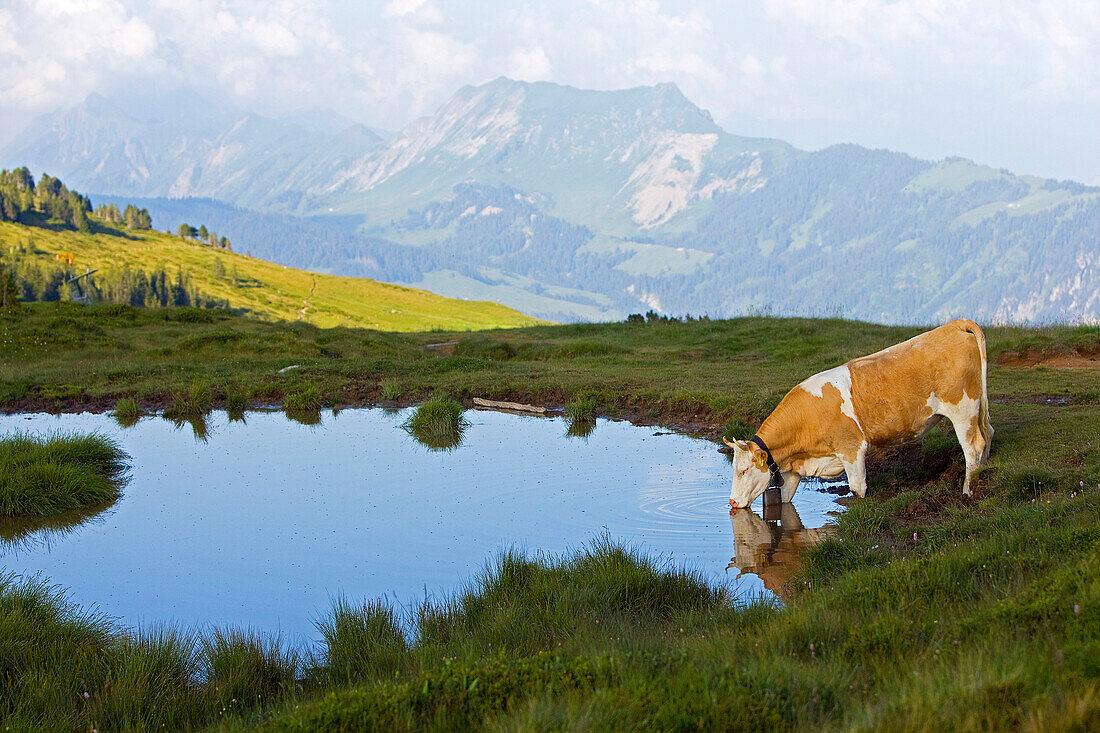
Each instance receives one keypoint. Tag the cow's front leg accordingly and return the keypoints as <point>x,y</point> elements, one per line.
<point>856,471</point>
<point>790,486</point>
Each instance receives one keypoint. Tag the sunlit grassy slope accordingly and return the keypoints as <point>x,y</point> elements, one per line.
<point>265,289</point>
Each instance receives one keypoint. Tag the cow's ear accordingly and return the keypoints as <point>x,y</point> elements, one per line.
<point>760,460</point>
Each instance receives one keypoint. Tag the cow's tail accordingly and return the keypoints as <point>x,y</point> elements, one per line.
<point>983,408</point>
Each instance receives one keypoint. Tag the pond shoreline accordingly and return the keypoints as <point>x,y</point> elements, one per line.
<point>694,424</point>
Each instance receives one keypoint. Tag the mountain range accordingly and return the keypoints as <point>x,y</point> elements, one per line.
<point>585,205</point>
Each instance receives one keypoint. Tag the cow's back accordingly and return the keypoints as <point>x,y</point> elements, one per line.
<point>892,389</point>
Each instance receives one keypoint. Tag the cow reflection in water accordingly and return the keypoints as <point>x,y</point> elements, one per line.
<point>770,547</point>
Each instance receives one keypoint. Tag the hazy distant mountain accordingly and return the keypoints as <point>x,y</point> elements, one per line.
<point>179,144</point>
<point>569,203</point>
<point>626,160</point>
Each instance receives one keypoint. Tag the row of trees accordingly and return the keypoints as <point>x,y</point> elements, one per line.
<point>50,201</point>
<point>131,216</point>
<point>203,235</point>
<point>33,279</point>
<point>23,200</point>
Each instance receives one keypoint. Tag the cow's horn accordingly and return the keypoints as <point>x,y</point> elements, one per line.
<point>731,445</point>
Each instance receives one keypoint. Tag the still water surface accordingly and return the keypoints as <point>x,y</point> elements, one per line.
<point>267,520</point>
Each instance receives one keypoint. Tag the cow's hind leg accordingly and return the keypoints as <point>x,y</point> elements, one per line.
<point>856,471</point>
<point>975,445</point>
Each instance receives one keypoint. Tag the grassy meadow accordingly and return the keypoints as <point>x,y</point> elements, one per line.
<point>924,611</point>
<point>255,287</point>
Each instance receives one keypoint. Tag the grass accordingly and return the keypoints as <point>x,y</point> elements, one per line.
<point>391,390</point>
<point>438,423</point>
<point>263,289</point>
<point>582,408</point>
<point>923,611</point>
<point>126,412</point>
<point>361,643</point>
<point>307,399</point>
<point>737,429</point>
<point>196,402</point>
<point>236,400</point>
<point>44,476</point>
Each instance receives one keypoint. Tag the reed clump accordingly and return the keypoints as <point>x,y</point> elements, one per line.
<point>44,476</point>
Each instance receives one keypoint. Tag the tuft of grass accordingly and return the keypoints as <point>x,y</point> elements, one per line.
<point>360,643</point>
<point>438,423</point>
<point>245,670</point>
<point>236,400</point>
<point>126,412</point>
<point>195,402</point>
<point>391,390</point>
<point>1029,482</point>
<point>307,399</point>
<point>304,406</point>
<point>581,408</point>
<point>43,476</point>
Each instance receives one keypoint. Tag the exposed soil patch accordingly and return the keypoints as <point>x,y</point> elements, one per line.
<point>1065,357</point>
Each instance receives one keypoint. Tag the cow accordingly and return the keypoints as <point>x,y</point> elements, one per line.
<point>825,425</point>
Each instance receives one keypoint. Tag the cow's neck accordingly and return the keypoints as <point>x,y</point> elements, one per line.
<point>780,440</point>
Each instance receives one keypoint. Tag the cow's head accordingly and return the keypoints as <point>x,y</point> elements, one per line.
<point>750,473</point>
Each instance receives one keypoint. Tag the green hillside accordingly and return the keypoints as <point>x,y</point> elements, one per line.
<point>128,263</point>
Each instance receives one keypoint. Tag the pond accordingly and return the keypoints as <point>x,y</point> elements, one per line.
<point>261,522</point>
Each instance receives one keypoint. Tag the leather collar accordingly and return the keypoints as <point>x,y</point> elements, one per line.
<point>773,467</point>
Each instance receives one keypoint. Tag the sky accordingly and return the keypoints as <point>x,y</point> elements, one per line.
<point>1008,83</point>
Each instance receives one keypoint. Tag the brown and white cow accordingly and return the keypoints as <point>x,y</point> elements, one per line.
<point>824,426</point>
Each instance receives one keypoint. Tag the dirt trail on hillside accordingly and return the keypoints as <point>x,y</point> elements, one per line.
<point>306,305</point>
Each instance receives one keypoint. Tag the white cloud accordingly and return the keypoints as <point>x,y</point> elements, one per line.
<point>930,76</point>
<point>398,8</point>
<point>529,64</point>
